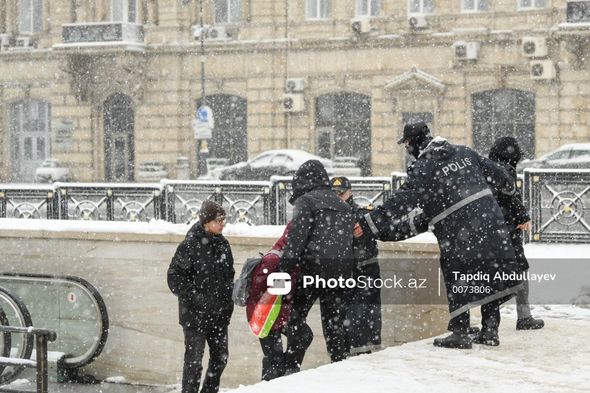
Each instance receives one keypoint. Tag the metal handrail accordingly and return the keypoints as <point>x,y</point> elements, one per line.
<point>42,337</point>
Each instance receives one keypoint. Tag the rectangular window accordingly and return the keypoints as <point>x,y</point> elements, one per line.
<point>475,5</point>
<point>124,11</point>
<point>227,11</point>
<point>531,4</point>
<point>28,149</point>
<point>367,7</point>
<point>317,9</point>
<point>420,6</point>
<point>30,16</point>
<point>40,148</point>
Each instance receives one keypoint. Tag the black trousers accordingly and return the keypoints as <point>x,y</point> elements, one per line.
<point>273,362</point>
<point>490,319</point>
<point>363,312</point>
<point>300,335</point>
<point>194,343</point>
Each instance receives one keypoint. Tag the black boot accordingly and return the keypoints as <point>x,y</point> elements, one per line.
<point>454,340</point>
<point>529,323</point>
<point>473,332</point>
<point>488,337</point>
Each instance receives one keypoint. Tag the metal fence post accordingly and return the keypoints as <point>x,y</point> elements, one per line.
<point>2,204</point>
<point>42,372</point>
<point>63,203</point>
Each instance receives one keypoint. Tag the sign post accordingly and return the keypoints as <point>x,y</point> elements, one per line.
<point>203,125</point>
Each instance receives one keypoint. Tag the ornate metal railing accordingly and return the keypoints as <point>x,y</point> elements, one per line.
<point>28,201</point>
<point>244,202</point>
<point>109,202</point>
<point>559,202</point>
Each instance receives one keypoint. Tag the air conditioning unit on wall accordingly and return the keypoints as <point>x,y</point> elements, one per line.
<point>417,21</point>
<point>294,85</point>
<point>542,70</point>
<point>466,50</point>
<point>361,25</point>
<point>293,103</point>
<point>199,32</point>
<point>534,46</point>
<point>217,33</point>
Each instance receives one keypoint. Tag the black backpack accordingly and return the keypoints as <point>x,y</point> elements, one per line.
<point>244,282</point>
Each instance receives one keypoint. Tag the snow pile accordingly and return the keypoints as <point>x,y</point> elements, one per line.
<point>553,359</point>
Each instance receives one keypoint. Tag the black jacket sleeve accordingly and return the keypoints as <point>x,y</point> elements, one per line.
<point>514,210</point>
<point>297,239</point>
<point>496,176</point>
<point>181,270</point>
<point>384,221</point>
<point>406,227</point>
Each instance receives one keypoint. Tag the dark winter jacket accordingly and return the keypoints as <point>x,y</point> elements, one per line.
<point>201,275</point>
<point>258,287</point>
<point>450,183</point>
<point>320,239</point>
<point>364,247</point>
<point>506,152</point>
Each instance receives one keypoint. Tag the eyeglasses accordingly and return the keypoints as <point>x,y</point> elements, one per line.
<point>220,219</point>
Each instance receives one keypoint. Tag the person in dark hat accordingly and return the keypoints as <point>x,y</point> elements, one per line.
<point>451,184</point>
<point>319,243</point>
<point>362,305</point>
<point>507,152</point>
<point>201,276</point>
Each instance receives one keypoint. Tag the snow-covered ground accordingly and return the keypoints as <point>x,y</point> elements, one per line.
<point>554,359</point>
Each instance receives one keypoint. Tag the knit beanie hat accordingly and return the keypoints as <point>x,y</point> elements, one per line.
<point>210,211</point>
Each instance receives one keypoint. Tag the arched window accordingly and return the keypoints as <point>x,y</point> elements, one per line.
<point>29,124</point>
<point>503,112</point>
<point>119,140</point>
<point>230,139</point>
<point>343,127</point>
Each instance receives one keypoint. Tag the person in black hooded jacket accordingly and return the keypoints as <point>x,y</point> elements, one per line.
<point>320,243</point>
<point>507,152</point>
<point>201,276</point>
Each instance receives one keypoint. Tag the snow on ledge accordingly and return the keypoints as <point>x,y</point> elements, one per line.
<point>154,227</point>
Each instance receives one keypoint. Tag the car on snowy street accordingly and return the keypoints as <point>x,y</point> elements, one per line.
<point>573,156</point>
<point>272,162</point>
<point>52,170</point>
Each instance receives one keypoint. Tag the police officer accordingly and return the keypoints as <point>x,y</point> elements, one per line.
<point>450,183</point>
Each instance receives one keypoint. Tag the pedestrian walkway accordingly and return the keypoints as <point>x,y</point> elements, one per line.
<point>27,384</point>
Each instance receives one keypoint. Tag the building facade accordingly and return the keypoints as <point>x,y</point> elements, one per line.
<point>106,85</point>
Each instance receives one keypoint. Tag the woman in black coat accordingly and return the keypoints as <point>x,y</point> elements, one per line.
<point>507,152</point>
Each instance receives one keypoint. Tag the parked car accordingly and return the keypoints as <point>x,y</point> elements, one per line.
<point>574,156</point>
<point>52,170</point>
<point>215,166</point>
<point>269,163</point>
<point>151,171</point>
